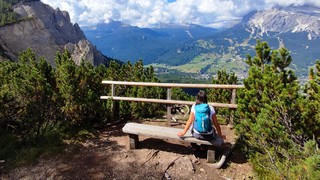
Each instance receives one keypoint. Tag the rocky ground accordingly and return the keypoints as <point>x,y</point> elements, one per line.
<point>109,157</point>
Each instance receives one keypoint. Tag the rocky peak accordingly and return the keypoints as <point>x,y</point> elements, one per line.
<point>56,21</point>
<point>286,19</point>
<point>46,31</point>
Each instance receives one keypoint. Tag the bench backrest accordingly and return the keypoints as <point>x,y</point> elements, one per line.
<point>169,86</point>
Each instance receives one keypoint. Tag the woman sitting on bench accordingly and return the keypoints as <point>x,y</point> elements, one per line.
<point>201,118</point>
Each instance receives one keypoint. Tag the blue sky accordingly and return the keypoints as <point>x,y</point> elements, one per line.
<point>150,13</point>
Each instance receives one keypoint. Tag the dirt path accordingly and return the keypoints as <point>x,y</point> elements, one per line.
<point>108,157</point>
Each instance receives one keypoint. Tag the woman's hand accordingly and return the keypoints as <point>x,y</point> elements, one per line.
<point>222,136</point>
<point>180,134</point>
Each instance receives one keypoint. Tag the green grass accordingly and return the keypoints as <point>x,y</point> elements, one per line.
<point>206,44</point>
<point>209,63</point>
<point>190,68</point>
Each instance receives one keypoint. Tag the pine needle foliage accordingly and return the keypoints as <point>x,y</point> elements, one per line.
<point>271,123</point>
<point>38,102</point>
<point>222,95</point>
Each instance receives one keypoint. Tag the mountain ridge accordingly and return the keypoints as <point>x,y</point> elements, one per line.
<point>209,52</point>
<point>128,42</point>
<point>292,18</point>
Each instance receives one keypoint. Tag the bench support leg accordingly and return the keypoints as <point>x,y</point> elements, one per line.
<point>211,155</point>
<point>133,141</point>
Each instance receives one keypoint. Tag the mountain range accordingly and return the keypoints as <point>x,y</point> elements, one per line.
<point>126,42</point>
<point>196,49</point>
<point>170,48</point>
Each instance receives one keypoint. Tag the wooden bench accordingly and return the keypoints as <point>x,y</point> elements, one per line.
<point>160,132</point>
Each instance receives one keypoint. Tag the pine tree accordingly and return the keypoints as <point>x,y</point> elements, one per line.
<point>28,96</point>
<point>222,95</point>
<point>8,103</point>
<point>269,114</point>
<point>79,89</point>
<point>153,109</point>
<point>311,105</point>
<point>67,85</point>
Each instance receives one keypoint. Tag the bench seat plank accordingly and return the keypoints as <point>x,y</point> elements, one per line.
<point>161,132</point>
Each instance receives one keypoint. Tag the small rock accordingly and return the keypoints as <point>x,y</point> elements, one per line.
<point>167,176</point>
<point>197,162</point>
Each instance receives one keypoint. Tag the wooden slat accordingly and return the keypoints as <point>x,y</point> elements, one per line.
<point>169,107</point>
<point>233,96</point>
<point>161,132</point>
<point>164,101</point>
<point>179,85</point>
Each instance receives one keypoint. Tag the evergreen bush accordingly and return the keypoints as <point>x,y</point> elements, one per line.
<point>272,122</point>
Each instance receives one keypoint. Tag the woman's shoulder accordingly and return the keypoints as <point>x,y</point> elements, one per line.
<point>193,108</point>
<point>212,108</point>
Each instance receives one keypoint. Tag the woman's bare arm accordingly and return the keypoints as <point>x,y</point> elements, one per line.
<point>216,124</point>
<point>186,128</point>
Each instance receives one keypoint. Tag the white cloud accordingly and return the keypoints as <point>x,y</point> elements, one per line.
<point>293,2</point>
<point>146,13</point>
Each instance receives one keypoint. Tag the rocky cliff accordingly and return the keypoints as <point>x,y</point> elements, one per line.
<point>46,31</point>
<point>292,19</point>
